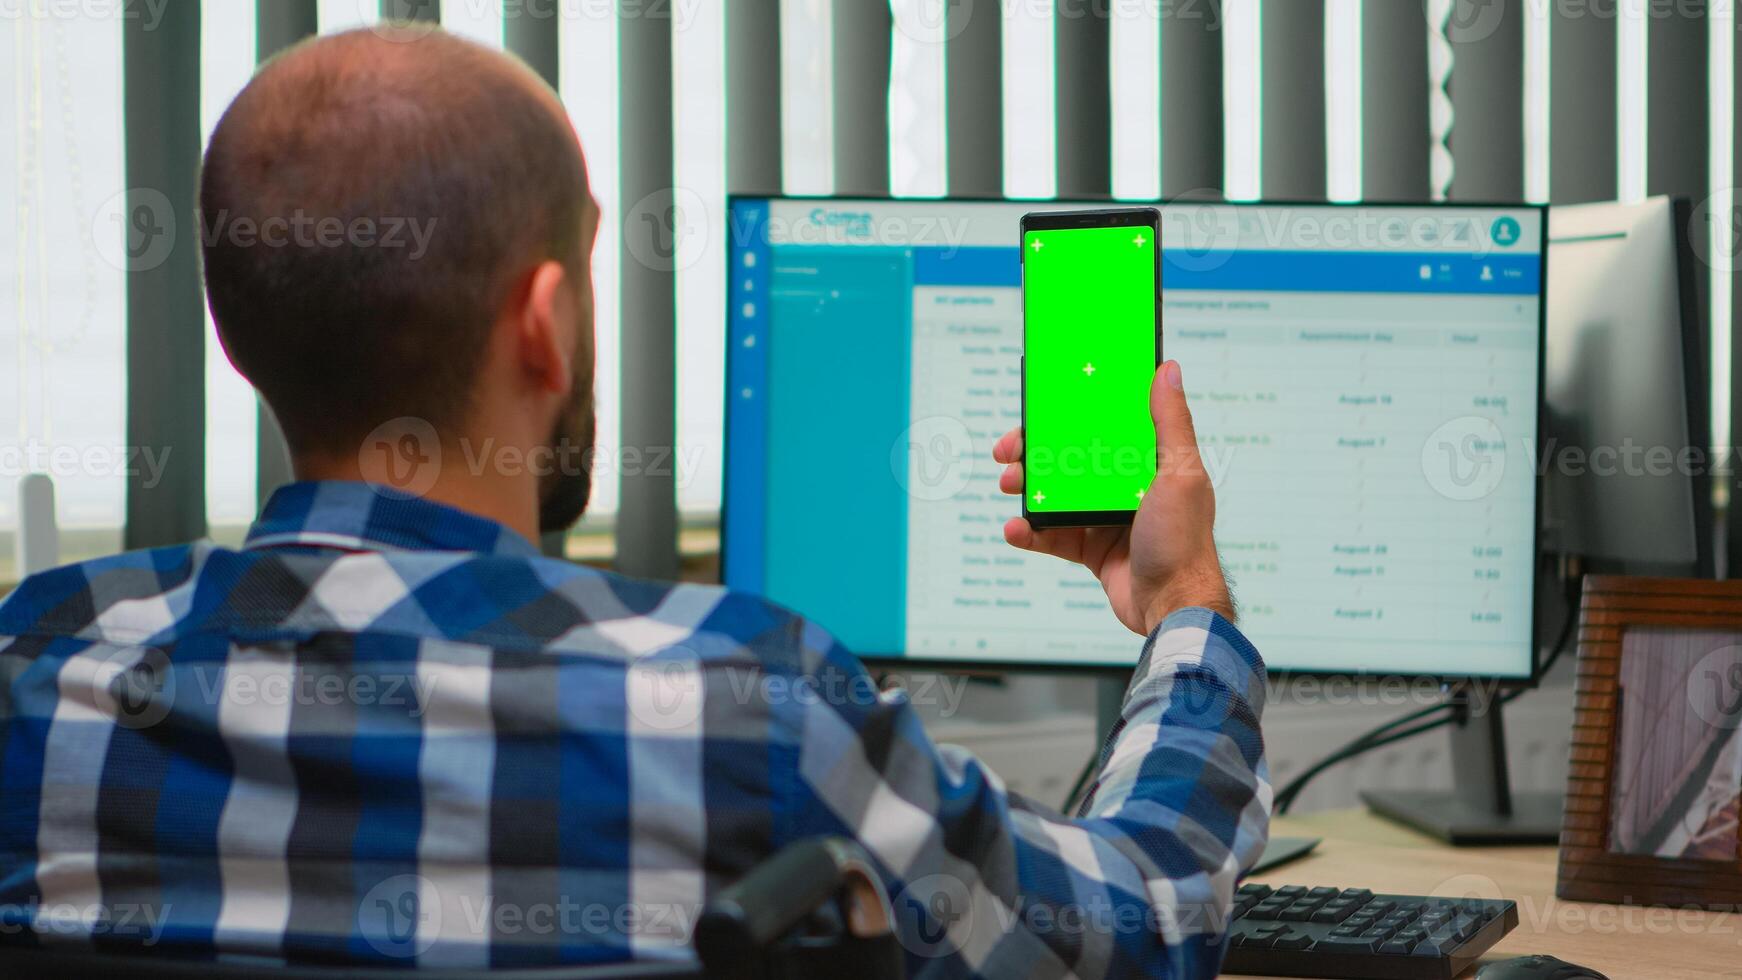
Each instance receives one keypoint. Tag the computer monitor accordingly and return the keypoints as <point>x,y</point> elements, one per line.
<point>1626,422</point>
<point>1365,382</point>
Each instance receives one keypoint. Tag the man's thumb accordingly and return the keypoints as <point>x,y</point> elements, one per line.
<point>1176,440</point>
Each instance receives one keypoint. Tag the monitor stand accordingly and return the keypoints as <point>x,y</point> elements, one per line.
<point>1481,808</point>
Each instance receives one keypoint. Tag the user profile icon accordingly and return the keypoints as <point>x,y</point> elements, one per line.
<point>1505,231</point>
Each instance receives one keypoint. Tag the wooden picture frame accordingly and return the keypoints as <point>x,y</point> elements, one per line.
<point>1657,734</point>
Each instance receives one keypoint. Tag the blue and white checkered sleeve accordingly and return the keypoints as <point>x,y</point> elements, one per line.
<point>985,883</point>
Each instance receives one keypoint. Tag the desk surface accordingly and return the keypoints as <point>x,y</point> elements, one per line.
<point>1623,942</point>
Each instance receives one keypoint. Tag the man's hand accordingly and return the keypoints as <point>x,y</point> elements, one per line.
<point>1166,560</point>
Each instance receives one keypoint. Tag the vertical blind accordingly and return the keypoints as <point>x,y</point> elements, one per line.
<point>1343,100</point>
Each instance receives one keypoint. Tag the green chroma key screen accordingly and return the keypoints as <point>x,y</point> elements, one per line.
<point>1089,354</point>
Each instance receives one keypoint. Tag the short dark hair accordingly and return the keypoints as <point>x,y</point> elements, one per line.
<point>365,204</point>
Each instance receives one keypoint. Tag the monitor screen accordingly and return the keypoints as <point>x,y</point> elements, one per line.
<point>1365,383</point>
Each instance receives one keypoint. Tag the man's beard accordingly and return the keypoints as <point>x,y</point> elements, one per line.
<point>565,490</point>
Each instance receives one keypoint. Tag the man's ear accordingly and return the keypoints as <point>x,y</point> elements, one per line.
<point>546,329</point>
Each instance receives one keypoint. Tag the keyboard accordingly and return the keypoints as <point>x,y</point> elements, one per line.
<point>1294,931</point>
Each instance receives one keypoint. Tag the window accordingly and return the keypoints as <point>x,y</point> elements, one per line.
<point>1030,155</point>
<point>1242,98</point>
<point>1343,127</point>
<point>63,337</point>
<point>589,88</point>
<point>480,20</point>
<point>1630,84</point>
<point>699,133</point>
<point>62,288</point>
<point>1724,230</point>
<point>1537,21</point>
<point>1134,56</point>
<point>807,92</point>
<point>342,15</point>
<point>227,44</point>
<point>917,166</point>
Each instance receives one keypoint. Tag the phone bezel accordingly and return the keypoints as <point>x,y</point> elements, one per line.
<point>1130,217</point>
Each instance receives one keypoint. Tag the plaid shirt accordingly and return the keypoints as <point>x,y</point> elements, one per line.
<point>389,730</point>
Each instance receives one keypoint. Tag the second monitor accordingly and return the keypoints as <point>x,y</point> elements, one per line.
<point>1626,391</point>
<point>1365,382</point>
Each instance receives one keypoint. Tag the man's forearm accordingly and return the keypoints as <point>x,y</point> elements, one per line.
<point>986,883</point>
<point>1185,781</point>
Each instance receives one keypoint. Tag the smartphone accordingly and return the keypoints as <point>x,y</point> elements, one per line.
<point>1091,341</point>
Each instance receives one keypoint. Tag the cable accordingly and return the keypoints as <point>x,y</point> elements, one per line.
<point>1368,742</point>
<point>1379,737</point>
<point>1387,733</point>
<point>1360,744</point>
<point>1455,711</point>
<point>1396,723</point>
<point>1560,647</point>
<point>1284,802</point>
